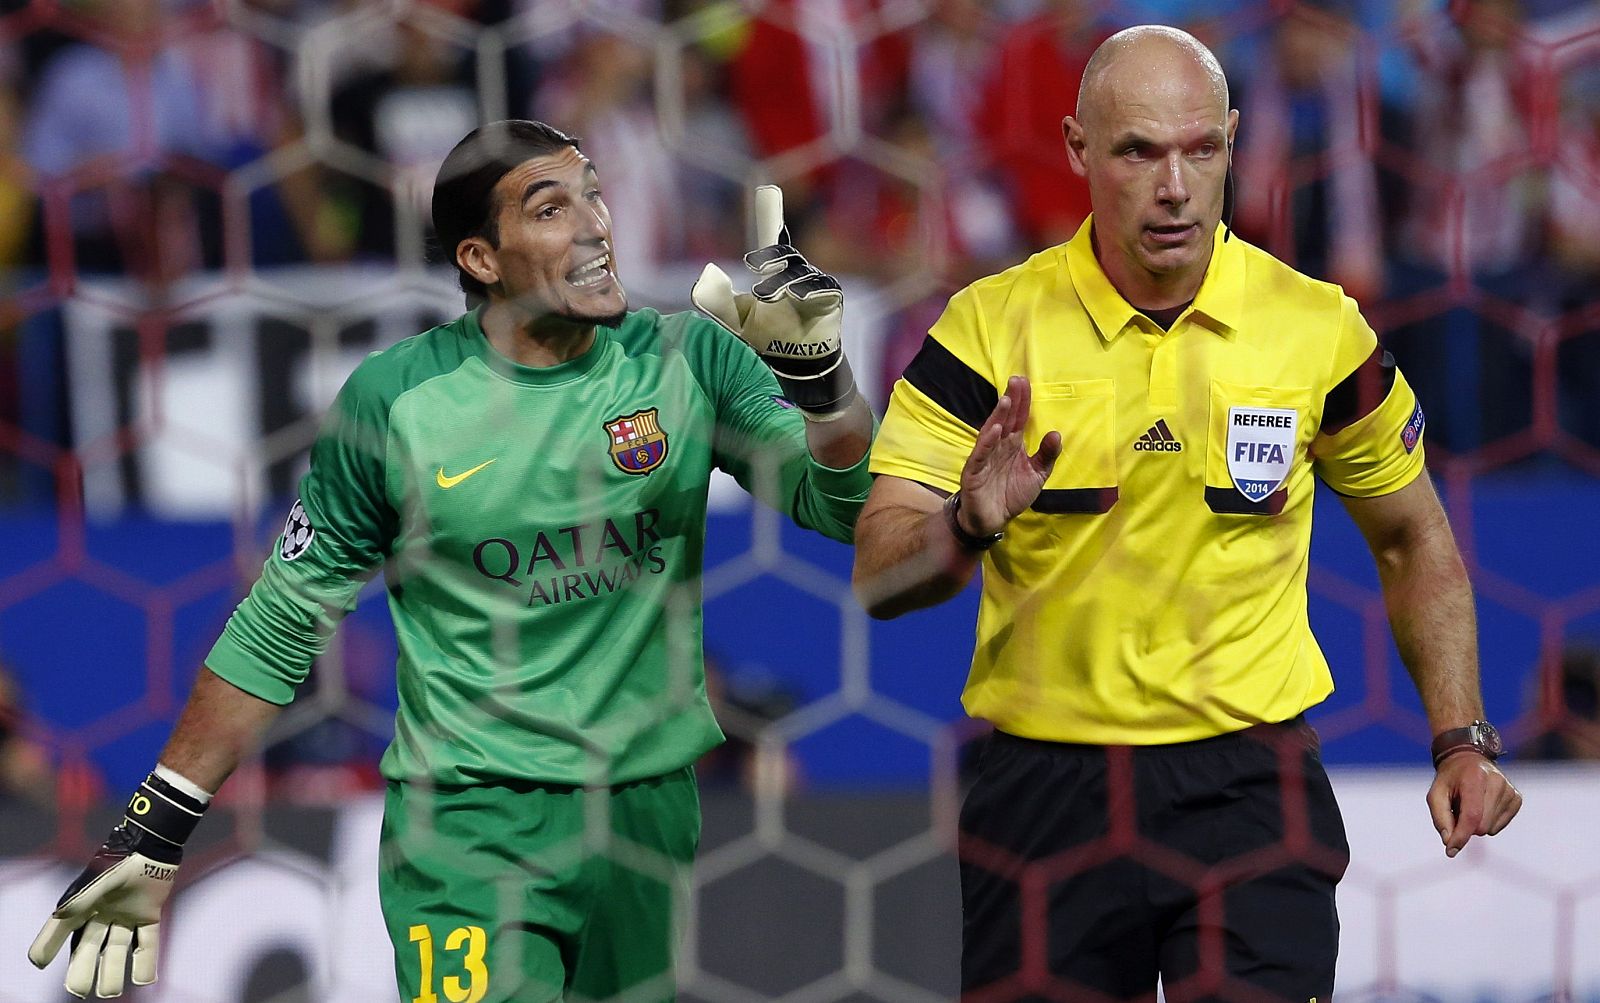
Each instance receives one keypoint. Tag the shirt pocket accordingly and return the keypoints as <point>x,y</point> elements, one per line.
<point>1262,448</point>
<point>1084,480</point>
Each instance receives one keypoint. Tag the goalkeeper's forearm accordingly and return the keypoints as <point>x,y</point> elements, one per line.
<point>842,443</point>
<point>219,726</point>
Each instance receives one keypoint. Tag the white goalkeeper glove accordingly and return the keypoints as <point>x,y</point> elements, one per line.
<point>115,904</point>
<point>791,317</point>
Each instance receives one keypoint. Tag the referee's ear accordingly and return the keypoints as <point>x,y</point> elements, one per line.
<point>1229,192</point>
<point>1077,143</point>
<point>1229,197</point>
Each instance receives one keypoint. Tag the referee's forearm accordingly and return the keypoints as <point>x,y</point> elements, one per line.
<point>1429,601</point>
<point>906,559</point>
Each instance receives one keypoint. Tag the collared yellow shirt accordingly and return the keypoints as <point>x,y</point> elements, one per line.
<point>1156,590</point>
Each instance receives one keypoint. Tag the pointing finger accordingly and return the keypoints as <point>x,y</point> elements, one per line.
<point>769,214</point>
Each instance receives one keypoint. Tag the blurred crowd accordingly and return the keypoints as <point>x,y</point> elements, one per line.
<point>1440,161</point>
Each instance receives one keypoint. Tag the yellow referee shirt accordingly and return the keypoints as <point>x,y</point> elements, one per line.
<point>1156,590</point>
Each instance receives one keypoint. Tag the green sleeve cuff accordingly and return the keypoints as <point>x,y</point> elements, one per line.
<point>850,484</point>
<point>234,664</point>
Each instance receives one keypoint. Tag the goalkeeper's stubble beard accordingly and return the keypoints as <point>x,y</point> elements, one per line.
<point>573,311</point>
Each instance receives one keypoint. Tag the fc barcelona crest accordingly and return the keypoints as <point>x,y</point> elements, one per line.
<point>637,443</point>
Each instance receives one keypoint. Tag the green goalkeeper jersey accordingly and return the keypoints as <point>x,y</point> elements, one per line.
<point>541,534</point>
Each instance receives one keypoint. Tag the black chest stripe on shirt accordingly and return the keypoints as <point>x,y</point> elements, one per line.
<point>1228,501</point>
<point>1360,393</point>
<point>1075,501</point>
<point>952,384</point>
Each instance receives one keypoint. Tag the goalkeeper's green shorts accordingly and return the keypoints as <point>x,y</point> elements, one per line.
<point>497,893</point>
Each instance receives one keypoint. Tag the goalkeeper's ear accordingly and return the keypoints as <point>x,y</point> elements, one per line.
<point>713,296</point>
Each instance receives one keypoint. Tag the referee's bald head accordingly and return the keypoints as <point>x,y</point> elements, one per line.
<point>1135,61</point>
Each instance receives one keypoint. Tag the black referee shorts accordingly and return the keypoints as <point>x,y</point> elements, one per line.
<point>1088,871</point>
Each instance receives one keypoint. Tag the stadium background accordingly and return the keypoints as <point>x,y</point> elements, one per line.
<point>210,213</point>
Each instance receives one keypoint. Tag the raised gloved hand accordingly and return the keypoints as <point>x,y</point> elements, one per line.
<point>791,317</point>
<point>115,904</point>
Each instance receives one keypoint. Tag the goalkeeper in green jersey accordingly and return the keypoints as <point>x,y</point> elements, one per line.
<point>531,479</point>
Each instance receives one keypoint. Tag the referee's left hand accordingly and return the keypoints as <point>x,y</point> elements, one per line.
<point>1470,797</point>
<point>1001,478</point>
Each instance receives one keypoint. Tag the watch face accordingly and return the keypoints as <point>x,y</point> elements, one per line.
<point>1488,739</point>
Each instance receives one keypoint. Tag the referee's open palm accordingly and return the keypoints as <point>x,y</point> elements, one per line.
<point>1001,479</point>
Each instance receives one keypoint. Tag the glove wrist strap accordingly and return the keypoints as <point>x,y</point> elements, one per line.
<point>824,396</point>
<point>162,810</point>
<point>823,418</point>
<point>183,783</point>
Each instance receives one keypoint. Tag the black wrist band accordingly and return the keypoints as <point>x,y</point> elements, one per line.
<point>822,386</point>
<point>968,542</point>
<point>163,811</point>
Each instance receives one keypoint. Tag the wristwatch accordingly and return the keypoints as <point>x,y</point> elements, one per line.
<point>952,505</point>
<point>1479,736</point>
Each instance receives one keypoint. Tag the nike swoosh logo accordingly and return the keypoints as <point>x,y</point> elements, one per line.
<point>449,482</point>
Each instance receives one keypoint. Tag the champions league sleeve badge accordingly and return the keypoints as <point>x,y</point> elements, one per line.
<point>297,533</point>
<point>1260,448</point>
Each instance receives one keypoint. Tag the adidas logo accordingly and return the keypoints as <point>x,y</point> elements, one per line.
<point>1158,439</point>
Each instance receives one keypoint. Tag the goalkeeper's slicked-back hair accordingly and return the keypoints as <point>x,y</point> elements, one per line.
<point>463,193</point>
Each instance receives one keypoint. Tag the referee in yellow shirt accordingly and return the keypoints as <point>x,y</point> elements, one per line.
<point>1123,432</point>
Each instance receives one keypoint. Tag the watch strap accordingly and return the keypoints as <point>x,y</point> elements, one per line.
<point>968,542</point>
<point>1475,737</point>
<point>1443,754</point>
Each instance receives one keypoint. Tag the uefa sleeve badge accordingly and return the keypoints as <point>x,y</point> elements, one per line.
<point>1412,433</point>
<point>297,533</point>
<point>1260,448</point>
